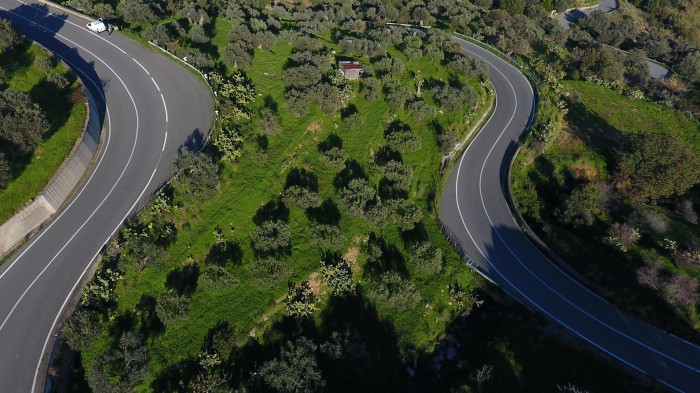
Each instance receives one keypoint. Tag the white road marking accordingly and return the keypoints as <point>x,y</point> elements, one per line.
<point>164,141</point>
<point>521,262</point>
<point>154,82</point>
<point>144,68</point>
<point>166,108</point>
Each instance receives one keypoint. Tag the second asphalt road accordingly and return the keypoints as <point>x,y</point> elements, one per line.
<point>474,207</point>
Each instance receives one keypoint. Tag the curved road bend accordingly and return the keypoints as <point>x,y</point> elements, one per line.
<point>150,107</point>
<point>475,209</point>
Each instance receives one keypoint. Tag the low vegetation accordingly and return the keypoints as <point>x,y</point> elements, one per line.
<point>300,250</point>
<point>613,193</point>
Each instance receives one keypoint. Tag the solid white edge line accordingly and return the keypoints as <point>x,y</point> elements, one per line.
<point>142,67</point>
<point>132,150</point>
<point>520,261</point>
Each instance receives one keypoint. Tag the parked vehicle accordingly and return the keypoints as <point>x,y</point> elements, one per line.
<point>97,26</point>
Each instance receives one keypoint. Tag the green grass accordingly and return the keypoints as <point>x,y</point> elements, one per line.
<point>66,125</point>
<point>599,125</point>
<point>251,182</point>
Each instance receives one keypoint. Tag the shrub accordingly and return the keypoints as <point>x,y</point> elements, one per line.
<point>420,110</point>
<point>99,292</point>
<point>338,277</point>
<point>269,122</point>
<point>682,291</point>
<point>271,235</point>
<point>623,236</point>
<point>398,174</point>
<point>80,329</point>
<point>335,158</point>
<point>195,173</point>
<point>426,258</point>
<point>215,277</point>
<point>269,271</point>
<point>172,308</point>
<point>5,172</point>
<point>229,143</point>
<point>296,370</point>
<point>660,165</point>
<point>687,211</point>
<point>400,138</point>
<point>327,237</point>
<point>301,197</point>
<point>43,64</point>
<point>300,301</point>
<point>357,195</point>
<point>58,80</point>
<point>403,213</point>
<point>395,292</point>
<point>136,11</point>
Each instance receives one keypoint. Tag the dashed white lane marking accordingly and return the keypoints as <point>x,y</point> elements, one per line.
<point>154,82</point>
<point>140,65</point>
<point>165,140</point>
<point>165,106</point>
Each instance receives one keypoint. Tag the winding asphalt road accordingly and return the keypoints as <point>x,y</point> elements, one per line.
<point>475,211</point>
<point>150,107</point>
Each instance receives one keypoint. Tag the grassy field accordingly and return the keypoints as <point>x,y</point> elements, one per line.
<point>598,125</point>
<point>66,121</point>
<point>258,178</point>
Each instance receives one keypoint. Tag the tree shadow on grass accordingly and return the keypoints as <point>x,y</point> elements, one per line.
<point>596,132</point>
<point>220,254</point>
<point>385,154</point>
<point>183,280</point>
<point>302,178</point>
<point>327,213</point>
<point>174,377</point>
<point>353,170</point>
<point>272,211</point>
<point>124,322</point>
<point>331,141</point>
<point>391,259</point>
<point>149,323</point>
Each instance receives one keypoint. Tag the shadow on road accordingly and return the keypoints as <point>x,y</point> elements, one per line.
<point>38,15</point>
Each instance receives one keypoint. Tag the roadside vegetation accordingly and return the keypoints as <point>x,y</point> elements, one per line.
<point>300,251</point>
<point>613,194</point>
<point>42,112</point>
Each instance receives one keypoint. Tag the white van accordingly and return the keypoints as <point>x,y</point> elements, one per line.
<point>97,26</point>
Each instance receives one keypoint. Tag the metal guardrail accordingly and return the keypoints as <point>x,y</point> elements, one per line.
<point>204,78</point>
<point>452,238</point>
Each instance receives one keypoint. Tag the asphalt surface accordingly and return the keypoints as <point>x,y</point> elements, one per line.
<point>567,18</point>
<point>150,107</point>
<point>475,211</point>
